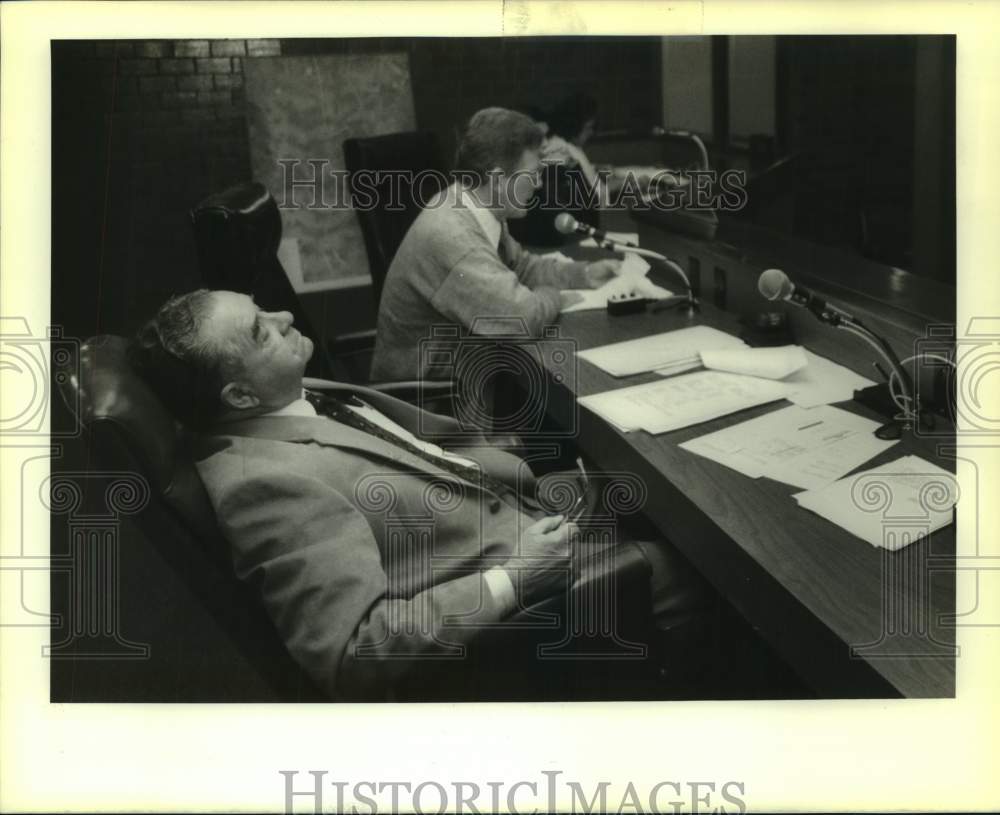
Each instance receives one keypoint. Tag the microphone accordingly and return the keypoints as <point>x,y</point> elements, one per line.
<point>567,224</point>
<point>774,284</point>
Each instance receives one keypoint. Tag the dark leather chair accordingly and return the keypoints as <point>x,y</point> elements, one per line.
<point>382,226</point>
<point>127,429</point>
<point>237,233</point>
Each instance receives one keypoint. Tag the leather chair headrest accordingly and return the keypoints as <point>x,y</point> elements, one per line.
<point>131,429</point>
<point>236,230</point>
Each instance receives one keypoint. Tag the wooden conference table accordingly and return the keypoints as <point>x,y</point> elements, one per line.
<point>852,620</point>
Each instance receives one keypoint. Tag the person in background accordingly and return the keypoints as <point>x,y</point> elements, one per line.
<point>569,183</point>
<point>458,265</point>
<point>572,182</point>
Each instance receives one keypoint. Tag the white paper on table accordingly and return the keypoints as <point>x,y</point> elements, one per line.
<point>658,407</point>
<point>769,363</point>
<point>557,255</point>
<point>633,265</point>
<point>822,382</point>
<point>890,506</point>
<point>805,448</point>
<point>682,347</point>
<point>617,237</point>
<point>598,298</point>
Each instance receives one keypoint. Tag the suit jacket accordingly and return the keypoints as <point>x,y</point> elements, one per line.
<point>447,273</point>
<point>365,555</point>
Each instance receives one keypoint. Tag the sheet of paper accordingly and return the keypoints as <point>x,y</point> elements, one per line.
<point>658,407</point>
<point>633,265</point>
<point>598,298</point>
<point>769,363</point>
<point>890,506</point>
<point>670,350</point>
<point>804,448</point>
<point>617,237</point>
<point>557,255</point>
<point>822,382</point>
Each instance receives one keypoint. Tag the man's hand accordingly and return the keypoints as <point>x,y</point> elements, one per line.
<point>600,272</point>
<point>544,565</point>
<point>570,298</point>
<point>556,150</point>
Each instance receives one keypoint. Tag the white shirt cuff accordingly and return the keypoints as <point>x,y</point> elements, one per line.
<point>502,589</point>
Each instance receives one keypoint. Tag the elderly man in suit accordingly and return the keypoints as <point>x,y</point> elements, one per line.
<point>306,487</point>
<point>458,264</point>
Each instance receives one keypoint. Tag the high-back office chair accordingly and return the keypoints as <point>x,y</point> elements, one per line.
<point>128,430</point>
<point>237,233</point>
<point>383,227</point>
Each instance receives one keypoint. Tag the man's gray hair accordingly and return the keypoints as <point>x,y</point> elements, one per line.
<point>185,370</point>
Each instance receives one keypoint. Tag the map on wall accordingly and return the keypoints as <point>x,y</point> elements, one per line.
<point>302,108</point>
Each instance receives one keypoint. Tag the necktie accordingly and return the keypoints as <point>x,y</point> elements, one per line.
<point>501,250</point>
<point>334,408</point>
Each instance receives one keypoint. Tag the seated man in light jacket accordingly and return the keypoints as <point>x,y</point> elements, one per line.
<point>458,264</point>
<point>374,551</point>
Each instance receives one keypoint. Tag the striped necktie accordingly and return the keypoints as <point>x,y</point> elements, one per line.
<point>334,408</point>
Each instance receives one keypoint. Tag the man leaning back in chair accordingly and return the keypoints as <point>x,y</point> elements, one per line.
<point>302,482</point>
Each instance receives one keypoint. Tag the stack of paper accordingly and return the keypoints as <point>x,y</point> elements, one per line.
<point>890,506</point>
<point>810,379</point>
<point>672,351</point>
<point>822,382</point>
<point>658,407</point>
<point>805,448</point>
<point>769,363</point>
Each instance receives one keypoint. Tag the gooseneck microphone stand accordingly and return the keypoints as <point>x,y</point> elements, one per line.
<point>687,302</point>
<point>907,403</point>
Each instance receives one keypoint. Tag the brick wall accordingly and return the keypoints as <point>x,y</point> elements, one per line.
<point>143,130</point>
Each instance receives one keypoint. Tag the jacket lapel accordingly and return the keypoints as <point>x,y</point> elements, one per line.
<point>320,430</point>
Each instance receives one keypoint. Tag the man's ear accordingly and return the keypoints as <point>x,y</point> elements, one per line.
<point>236,396</point>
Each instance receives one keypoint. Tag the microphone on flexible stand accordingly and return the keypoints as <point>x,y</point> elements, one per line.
<point>774,284</point>
<point>567,224</point>
<point>687,134</point>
